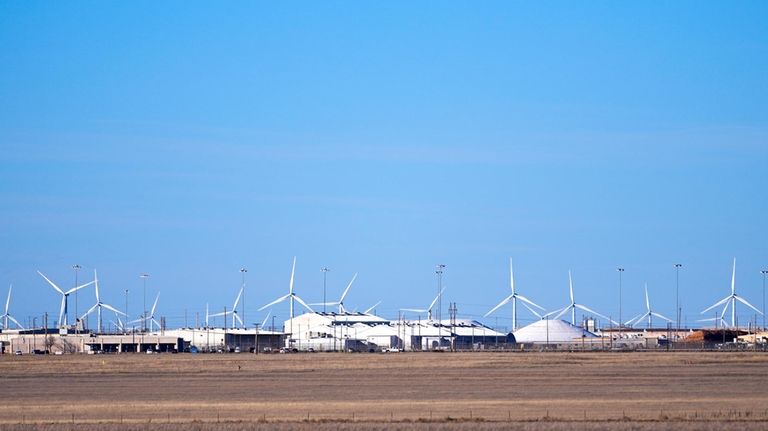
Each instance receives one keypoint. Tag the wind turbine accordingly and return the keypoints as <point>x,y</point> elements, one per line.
<point>292,296</point>
<point>64,297</point>
<point>649,314</point>
<point>151,317</point>
<point>573,306</point>
<point>99,304</point>
<point>234,311</point>
<point>427,310</point>
<point>733,297</point>
<point>340,302</point>
<point>7,316</point>
<point>514,297</point>
<point>718,318</point>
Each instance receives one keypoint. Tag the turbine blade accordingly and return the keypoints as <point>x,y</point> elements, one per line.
<point>324,303</point>
<point>74,289</point>
<point>154,306</point>
<point>344,295</point>
<point>8,301</point>
<point>561,312</point>
<point>237,300</point>
<point>638,317</point>
<point>111,308</point>
<point>90,310</point>
<point>721,302</point>
<point>237,317</point>
<point>414,310</point>
<point>647,301</point>
<point>744,301</point>
<point>499,305</point>
<point>733,278</point>
<point>51,283</point>
<point>660,316</point>
<point>589,310</point>
<point>293,271</point>
<point>511,277</point>
<point>436,298</point>
<point>303,303</point>
<point>570,285</point>
<point>15,321</point>
<point>96,282</point>
<point>531,310</point>
<point>524,299</point>
<point>276,301</point>
<point>264,322</point>
<point>369,309</point>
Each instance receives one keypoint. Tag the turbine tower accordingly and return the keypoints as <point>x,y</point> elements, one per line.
<point>732,298</point>
<point>64,297</point>
<point>648,313</point>
<point>99,305</point>
<point>527,303</point>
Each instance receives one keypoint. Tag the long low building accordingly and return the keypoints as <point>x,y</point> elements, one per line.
<point>366,332</point>
<point>221,339</point>
<point>42,340</point>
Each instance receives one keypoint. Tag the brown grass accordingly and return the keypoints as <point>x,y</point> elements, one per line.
<point>491,391</point>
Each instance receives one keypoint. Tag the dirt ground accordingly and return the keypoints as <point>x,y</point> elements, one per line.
<point>527,391</point>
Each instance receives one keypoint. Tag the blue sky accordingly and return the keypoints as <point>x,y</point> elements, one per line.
<point>187,140</point>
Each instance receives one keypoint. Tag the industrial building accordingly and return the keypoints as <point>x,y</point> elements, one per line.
<point>229,339</point>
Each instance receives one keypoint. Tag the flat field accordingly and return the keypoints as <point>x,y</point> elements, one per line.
<point>482,390</point>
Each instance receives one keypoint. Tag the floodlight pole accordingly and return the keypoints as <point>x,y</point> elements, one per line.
<point>677,295</point>
<point>126,310</point>
<point>144,313</point>
<point>66,318</point>
<point>242,299</point>
<point>620,270</point>
<point>764,272</point>
<point>324,270</point>
<point>439,271</point>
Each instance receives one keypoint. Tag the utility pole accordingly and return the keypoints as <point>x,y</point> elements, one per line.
<point>126,310</point>
<point>242,303</point>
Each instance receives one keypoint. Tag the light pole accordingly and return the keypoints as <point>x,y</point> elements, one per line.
<point>764,272</point>
<point>66,318</point>
<point>620,270</point>
<point>677,294</point>
<point>324,270</point>
<point>126,309</point>
<point>439,271</point>
<point>242,304</point>
<point>144,312</point>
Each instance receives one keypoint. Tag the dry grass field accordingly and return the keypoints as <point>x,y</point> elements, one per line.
<point>527,391</point>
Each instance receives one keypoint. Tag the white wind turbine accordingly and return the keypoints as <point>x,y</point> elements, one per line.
<point>732,298</point>
<point>99,305</point>
<point>151,317</point>
<point>514,297</point>
<point>648,313</point>
<point>291,296</point>
<point>7,316</point>
<point>64,297</point>
<point>573,306</point>
<point>427,310</point>
<point>340,302</point>
<point>235,317</point>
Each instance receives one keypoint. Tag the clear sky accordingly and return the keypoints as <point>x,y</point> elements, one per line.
<point>187,140</point>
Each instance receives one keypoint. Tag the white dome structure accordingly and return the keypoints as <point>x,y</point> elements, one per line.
<point>552,331</point>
